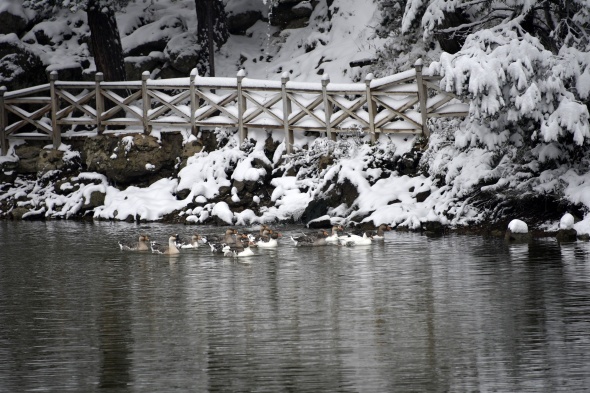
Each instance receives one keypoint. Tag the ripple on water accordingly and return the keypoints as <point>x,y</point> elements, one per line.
<point>412,313</point>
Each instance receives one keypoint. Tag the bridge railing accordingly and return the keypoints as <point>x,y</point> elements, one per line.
<point>401,103</point>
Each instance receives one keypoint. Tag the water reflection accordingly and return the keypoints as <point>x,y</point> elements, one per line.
<point>114,325</point>
<point>453,313</point>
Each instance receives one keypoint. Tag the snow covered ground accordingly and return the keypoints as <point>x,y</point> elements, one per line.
<point>385,196</point>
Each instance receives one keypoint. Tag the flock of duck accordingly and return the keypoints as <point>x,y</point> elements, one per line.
<point>235,244</point>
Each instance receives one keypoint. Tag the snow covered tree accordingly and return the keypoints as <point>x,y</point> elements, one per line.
<point>211,32</point>
<point>524,66</point>
<point>403,48</point>
<point>105,38</point>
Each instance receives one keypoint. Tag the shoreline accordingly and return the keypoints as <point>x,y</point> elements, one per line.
<point>493,230</point>
<point>214,180</point>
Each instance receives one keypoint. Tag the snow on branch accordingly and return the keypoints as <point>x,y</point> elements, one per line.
<point>511,78</point>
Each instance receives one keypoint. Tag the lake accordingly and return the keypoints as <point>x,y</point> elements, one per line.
<point>411,313</point>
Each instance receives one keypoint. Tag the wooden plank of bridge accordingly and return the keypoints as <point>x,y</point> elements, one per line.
<point>146,104</point>
<point>422,96</point>
<point>243,132</point>
<point>373,95</point>
<point>372,107</point>
<point>194,102</point>
<point>55,127</point>
<point>3,139</point>
<point>289,137</point>
<point>98,78</point>
<point>327,107</point>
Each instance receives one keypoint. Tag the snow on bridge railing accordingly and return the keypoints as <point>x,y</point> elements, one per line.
<point>398,103</point>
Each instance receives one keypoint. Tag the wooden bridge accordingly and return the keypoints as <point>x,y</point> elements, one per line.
<point>401,103</point>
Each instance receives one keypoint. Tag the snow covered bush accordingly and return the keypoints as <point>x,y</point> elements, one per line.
<point>515,85</point>
<point>524,67</point>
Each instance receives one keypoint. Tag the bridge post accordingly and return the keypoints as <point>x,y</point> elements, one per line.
<point>194,104</point>
<point>371,107</point>
<point>243,132</point>
<point>422,97</point>
<point>98,78</point>
<point>289,137</point>
<point>55,127</point>
<point>146,103</point>
<point>327,107</point>
<point>3,139</point>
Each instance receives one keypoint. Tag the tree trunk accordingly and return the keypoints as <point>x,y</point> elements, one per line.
<point>106,42</point>
<point>211,30</point>
<point>106,46</point>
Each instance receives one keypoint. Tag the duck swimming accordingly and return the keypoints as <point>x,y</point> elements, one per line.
<point>196,240</point>
<point>269,239</point>
<point>218,243</point>
<point>237,251</point>
<point>333,238</point>
<point>351,239</point>
<point>141,245</point>
<point>242,247</point>
<point>313,239</point>
<point>171,249</point>
<point>380,233</point>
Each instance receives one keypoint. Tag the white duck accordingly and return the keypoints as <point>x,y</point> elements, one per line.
<point>237,251</point>
<point>269,239</point>
<point>333,238</point>
<point>141,245</point>
<point>351,239</point>
<point>171,249</point>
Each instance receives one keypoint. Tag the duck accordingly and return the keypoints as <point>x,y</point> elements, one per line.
<point>218,248</point>
<point>217,242</point>
<point>143,244</point>
<point>269,239</point>
<point>242,247</point>
<point>237,251</point>
<point>263,228</point>
<point>380,233</point>
<point>313,239</point>
<point>228,237</point>
<point>333,237</point>
<point>171,249</point>
<point>196,240</point>
<point>350,239</point>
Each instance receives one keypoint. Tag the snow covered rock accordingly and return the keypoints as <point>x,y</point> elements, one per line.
<point>290,13</point>
<point>183,52</point>
<point>13,16</point>
<point>518,231</point>
<point>566,232</point>
<point>320,222</point>
<point>153,37</point>
<point>239,23</point>
<point>52,160</point>
<point>24,213</point>
<point>124,160</point>
<point>136,65</point>
<point>566,222</point>
<point>432,225</point>
<point>20,67</point>
<point>68,71</point>
<point>518,226</point>
<point>27,158</point>
<point>50,33</point>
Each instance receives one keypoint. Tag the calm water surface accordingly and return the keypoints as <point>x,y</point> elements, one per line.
<point>449,314</point>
